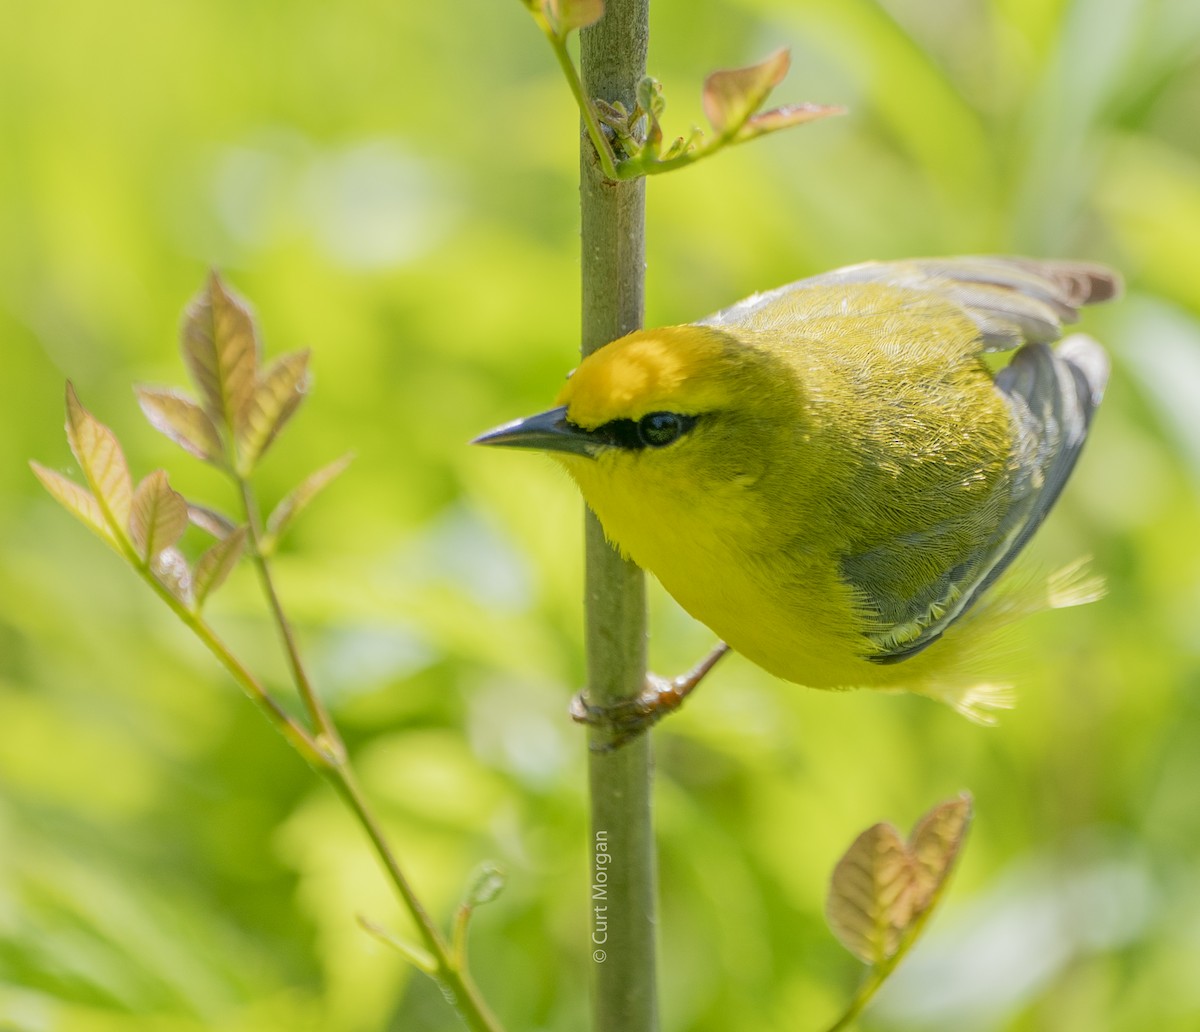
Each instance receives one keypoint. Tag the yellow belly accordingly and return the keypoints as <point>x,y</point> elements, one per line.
<point>801,625</point>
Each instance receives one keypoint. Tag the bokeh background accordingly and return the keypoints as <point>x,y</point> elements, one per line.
<point>393,184</point>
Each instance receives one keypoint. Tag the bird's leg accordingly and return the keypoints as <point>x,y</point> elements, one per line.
<point>628,718</point>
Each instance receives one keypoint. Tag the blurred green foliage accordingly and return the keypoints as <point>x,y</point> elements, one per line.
<point>394,184</point>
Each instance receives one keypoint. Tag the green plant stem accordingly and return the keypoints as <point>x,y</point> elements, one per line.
<point>632,167</point>
<point>624,996</point>
<point>454,981</point>
<point>322,725</point>
<point>882,971</point>
<point>603,149</point>
<point>449,974</point>
<point>644,163</point>
<point>458,939</point>
<point>328,756</point>
<point>327,753</point>
<point>296,735</point>
<point>870,986</point>
<point>687,157</point>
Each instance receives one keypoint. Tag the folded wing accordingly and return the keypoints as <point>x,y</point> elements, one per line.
<point>1052,395</point>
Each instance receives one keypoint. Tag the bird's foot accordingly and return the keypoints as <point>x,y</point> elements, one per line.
<point>627,718</point>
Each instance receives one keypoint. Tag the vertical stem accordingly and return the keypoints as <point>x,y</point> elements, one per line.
<point>322,726</point>
<point>613,60</point>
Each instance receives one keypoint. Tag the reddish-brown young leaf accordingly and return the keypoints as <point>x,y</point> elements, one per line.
<point>935,844</point>
<point>787,116</point>
<point>278,391</point>
<point>220,348</point>
<point>732,95</point>
<point>216,564</point>
<point>883,887</point>
<point>174,414</point>
<point>870,900</point>
<point>77,500</point>
<point>158,518</point>
<point>569,15</point>
<point>103,463</point>
<point>298,499</point>
<point>210,521</point>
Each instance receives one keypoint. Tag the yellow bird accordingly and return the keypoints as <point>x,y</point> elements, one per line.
<point>829,476</point>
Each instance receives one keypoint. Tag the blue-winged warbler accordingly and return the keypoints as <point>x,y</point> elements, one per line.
<point>829,475</point>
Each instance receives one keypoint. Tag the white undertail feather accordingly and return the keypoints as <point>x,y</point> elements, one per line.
<point>983,635</point>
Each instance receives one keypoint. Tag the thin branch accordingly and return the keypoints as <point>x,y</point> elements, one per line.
<point>298,736</point>
<point>322,725</point>
<point>449,974</point>
<point>881,972</point>
<point>462,920</point>
<point>870,986</point>
<point>642,154</point>
<point>611,168</point>
<point>417,957</point>
<point>456,983</point>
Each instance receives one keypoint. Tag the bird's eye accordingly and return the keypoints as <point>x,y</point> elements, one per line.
<point>661,428</point>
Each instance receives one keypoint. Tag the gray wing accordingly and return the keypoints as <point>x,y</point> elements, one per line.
<point>1052,396</point>
<point>1013,301</point>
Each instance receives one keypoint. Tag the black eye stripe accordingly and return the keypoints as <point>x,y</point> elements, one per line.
<point>654,430</point>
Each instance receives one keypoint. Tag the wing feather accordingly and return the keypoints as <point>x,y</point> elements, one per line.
<point>1053,396</point>
<point>1012,301</point>
<point>915,584</point>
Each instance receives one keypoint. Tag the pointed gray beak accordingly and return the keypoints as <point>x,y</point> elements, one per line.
<point>547,431</point>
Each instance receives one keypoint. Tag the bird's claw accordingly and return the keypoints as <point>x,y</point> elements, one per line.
<point>627,718</point>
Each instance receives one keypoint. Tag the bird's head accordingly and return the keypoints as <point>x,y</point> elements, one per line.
<point>663,421</point>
